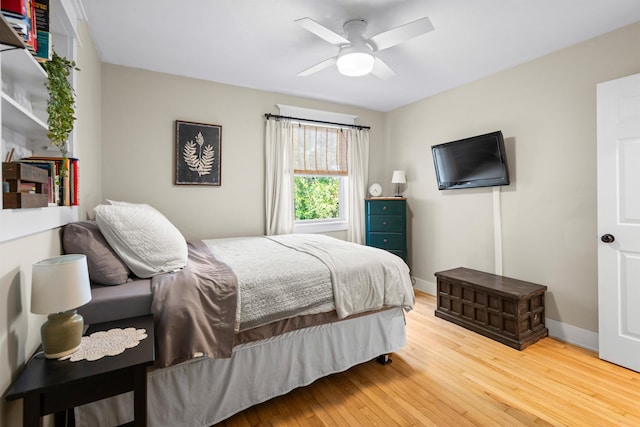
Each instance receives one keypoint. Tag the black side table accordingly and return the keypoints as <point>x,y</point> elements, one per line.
<point>52,386</point>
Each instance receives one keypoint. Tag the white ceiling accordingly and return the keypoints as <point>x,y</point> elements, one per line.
<point>257,44</point>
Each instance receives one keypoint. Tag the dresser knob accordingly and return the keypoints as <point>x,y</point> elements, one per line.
<point>384,208</point>
<point>384,222</point>
<point>385,241</point>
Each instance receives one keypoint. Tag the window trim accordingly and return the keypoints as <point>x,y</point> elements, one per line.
<point>333,224</point>
<point>328,116</point>
<point>329,224</point>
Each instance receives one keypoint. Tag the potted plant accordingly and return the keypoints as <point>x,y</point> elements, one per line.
<point>61,103</point>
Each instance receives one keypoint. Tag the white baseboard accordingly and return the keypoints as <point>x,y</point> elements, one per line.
<point>572,334</point>
<point>561,331</point>
<point>425,286</point>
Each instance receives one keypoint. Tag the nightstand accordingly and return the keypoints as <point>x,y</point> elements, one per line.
<point>51,386</point>
<point>386,224</point>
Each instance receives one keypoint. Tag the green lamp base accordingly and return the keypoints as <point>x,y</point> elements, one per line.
<point>61,334</point>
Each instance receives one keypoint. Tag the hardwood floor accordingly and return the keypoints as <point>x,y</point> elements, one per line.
<point>449,376</point>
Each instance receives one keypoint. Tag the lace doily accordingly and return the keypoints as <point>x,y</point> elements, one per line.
<point>107,343</point>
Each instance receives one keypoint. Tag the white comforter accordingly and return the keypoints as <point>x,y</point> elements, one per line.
<point>363,278</point>
<point>296,274</point>
<point>274,281</point>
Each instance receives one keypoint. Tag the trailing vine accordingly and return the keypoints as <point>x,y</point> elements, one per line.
<point>61,103</point>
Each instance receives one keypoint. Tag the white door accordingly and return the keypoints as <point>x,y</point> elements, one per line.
<point>619,221</point>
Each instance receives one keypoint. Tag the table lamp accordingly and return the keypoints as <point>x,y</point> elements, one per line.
<point>397,179</point>
<point>59,285</point>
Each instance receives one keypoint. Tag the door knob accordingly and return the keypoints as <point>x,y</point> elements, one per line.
<point>607,238</point>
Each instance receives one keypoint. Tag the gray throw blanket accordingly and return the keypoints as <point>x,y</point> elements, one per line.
<point>195,309</point>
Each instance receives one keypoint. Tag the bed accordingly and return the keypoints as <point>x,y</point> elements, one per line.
<point>304,307</point>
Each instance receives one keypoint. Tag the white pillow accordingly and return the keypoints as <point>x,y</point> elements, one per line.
<point>143,238</point>
<point>121,203</point>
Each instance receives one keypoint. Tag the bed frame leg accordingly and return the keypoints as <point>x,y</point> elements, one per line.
<point>384,359</point>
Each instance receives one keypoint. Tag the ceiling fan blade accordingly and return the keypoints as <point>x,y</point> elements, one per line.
<point>381,70</point>
<point>322,31</point>
<point>318,67</point>
<point>400,34</point>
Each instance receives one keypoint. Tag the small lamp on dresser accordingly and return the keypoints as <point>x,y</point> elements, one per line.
<point>59,285</point>
<point>398,178</point>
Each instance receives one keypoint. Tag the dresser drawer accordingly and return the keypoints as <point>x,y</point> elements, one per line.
<point>386,223</point>
<point>385,207</point>
<point>388,241</point>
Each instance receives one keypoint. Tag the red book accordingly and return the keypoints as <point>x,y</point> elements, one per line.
<point>32,41</point>
<point>15,6</point>
<point>74,169</point>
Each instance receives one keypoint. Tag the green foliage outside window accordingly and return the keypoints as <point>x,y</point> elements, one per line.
<point>316,197</point>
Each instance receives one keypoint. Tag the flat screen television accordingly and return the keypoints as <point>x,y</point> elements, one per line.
<point>479,161</point>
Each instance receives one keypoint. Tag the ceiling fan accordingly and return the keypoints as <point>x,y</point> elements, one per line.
<point>356,56</point>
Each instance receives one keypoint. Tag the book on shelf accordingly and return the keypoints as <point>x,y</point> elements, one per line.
<point>19,23</point>
<point>26,187</point>
<point>45,46</point>
<point>66,191</point>
<point>18,7</point>
<point>63,188</point>
<point>32,41</point>
<point>52,189</point>
<point>21,16</point>
<point>43,35</point>
<point>74,187</point>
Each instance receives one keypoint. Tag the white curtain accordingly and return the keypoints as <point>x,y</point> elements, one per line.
<point>358,175</point>
<point>279,177</point>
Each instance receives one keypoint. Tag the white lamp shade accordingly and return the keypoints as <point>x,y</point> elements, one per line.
<point>59,284</point>
<point>398,177</point>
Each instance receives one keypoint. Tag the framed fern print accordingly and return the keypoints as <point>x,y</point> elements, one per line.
<point>198,153</point>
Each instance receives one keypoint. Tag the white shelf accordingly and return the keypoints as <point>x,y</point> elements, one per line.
<point>16,223</point>
<point>24,79</point>
<point>8,37</point>
<point>20,120</point>
<point>19,67</point>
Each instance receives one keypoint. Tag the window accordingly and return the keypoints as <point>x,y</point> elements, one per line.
<point>320,178</point>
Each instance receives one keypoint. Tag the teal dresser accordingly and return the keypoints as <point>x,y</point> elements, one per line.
<point>386,224</point>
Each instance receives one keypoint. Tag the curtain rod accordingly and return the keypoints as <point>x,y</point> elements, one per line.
<point>275,116</point>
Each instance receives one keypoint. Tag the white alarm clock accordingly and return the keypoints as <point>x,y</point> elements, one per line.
<point>375,190</point>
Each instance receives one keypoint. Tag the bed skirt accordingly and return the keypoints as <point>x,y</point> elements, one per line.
<point>203,392</point>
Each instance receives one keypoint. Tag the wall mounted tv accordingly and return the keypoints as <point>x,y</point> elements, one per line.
<point>479,161</point>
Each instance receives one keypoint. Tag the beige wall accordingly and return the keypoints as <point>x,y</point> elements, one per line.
<point>19,329</point>
<point>89,128</point>
<point>547,112</point>
<point>139,112</point>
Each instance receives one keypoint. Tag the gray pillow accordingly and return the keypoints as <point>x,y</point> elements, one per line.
<point>105,267</point>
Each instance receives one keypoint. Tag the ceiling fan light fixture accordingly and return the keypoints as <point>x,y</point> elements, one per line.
<point>355,64</point>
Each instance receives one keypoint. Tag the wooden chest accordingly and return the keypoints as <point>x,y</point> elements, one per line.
<point>507,310</point>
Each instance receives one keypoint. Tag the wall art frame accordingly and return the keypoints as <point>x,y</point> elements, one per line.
<point>198,150</point>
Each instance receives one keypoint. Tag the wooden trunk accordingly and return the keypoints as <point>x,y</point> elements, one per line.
<point>507,310</point>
